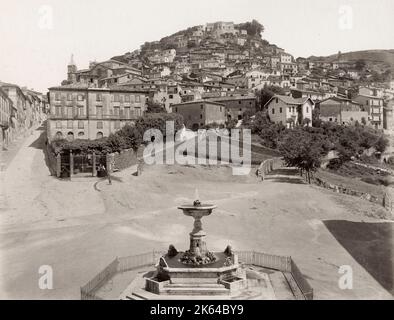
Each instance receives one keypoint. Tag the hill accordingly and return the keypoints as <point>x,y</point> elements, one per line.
<point>377,60</point>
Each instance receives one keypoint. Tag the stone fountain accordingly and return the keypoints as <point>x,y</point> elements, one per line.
<point>198,253</point>
<point>197,271</point>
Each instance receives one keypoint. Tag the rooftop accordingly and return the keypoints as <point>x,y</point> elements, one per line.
<point>289,100</point>
<point>234,98</point>
<point>197,102</point>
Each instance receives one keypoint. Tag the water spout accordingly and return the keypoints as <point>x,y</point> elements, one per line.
<point>196,195</point>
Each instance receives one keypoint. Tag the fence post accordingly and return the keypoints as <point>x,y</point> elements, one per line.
<point>94,169</point>
<point>108,166</point>
<point>288,264</point>
<point>71,164</point>
<point>58,164</point>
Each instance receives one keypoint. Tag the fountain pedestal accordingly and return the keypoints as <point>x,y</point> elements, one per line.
<point>198,253</point>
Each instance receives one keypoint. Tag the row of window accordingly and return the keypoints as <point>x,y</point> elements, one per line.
<point>81,134</point>
<point>69,96</point>
<point>374,102</point>
<point>291,110</point>
<point>81,124</point>
<point>79,111</point>
<point>69,111</point>
<point>99,97</point>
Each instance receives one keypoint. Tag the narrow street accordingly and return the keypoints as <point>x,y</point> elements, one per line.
<point>34,216</point>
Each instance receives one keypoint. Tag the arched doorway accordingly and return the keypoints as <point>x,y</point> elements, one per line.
<point>70,136</point>
<point>58,135</point>
<point>99,135</point>
<point>81,134</point>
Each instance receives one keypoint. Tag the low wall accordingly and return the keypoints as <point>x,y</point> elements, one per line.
<point>270,261</point>
<point>388,200</point>
<point>340,189</point>
<point>124,159</point>
<point>267,166</point>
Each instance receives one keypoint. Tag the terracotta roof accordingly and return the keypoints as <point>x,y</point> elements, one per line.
<point>341,99</point>
<point>229,98</point>
<point>77,86</point>
<point>289,100</point>
<point>197,102</point>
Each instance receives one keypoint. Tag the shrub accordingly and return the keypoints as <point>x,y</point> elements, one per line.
<point>271,134</point>
<point>376,181</point>
<point>129,137</point>
<point>158,121</point>
<point>334,164</point>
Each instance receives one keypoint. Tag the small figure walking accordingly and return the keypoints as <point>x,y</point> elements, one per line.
<point>109,177</point>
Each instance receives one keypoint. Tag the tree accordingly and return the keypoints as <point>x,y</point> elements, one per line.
<point>153,107</point>
<point>271,134</point>
<point>257,122</point>
<point>303,150</point>
<point>253,28</point>
<point>158,121</point>
<point>267,93</point>
<point>65,82</point>
<point>316,122</point>
<point>130,137</point>
<point>349,144</point>
<point>381,144</point>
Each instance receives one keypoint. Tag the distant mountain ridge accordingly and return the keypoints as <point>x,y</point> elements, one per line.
<point>380,59</point>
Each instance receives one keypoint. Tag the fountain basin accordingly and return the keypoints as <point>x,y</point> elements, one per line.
<point>172,268</point>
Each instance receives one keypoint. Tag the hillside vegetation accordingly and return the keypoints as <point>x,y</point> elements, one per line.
<point>380,59</point>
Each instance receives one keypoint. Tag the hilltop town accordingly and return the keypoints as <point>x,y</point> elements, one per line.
<point>227,70</point>
<point>222,62</point>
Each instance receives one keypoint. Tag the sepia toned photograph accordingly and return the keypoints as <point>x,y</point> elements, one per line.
<point>217,151</point>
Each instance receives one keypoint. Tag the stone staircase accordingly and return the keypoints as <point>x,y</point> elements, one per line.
<point>175,291</point>
<point>195,289</point>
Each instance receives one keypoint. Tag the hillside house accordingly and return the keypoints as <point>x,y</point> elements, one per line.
<point>388,116</point>
<point>374,106</point>
<point>199,113</point>
<point>342,111</point>
<point>237,106</point>
<point>289,111</point>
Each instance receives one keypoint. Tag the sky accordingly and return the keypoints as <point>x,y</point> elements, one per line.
<point>37,37</point>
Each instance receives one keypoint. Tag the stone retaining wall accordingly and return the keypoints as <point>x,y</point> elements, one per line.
<point>368,166</point>
<point>266,167</point>
<point>344,190</point>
